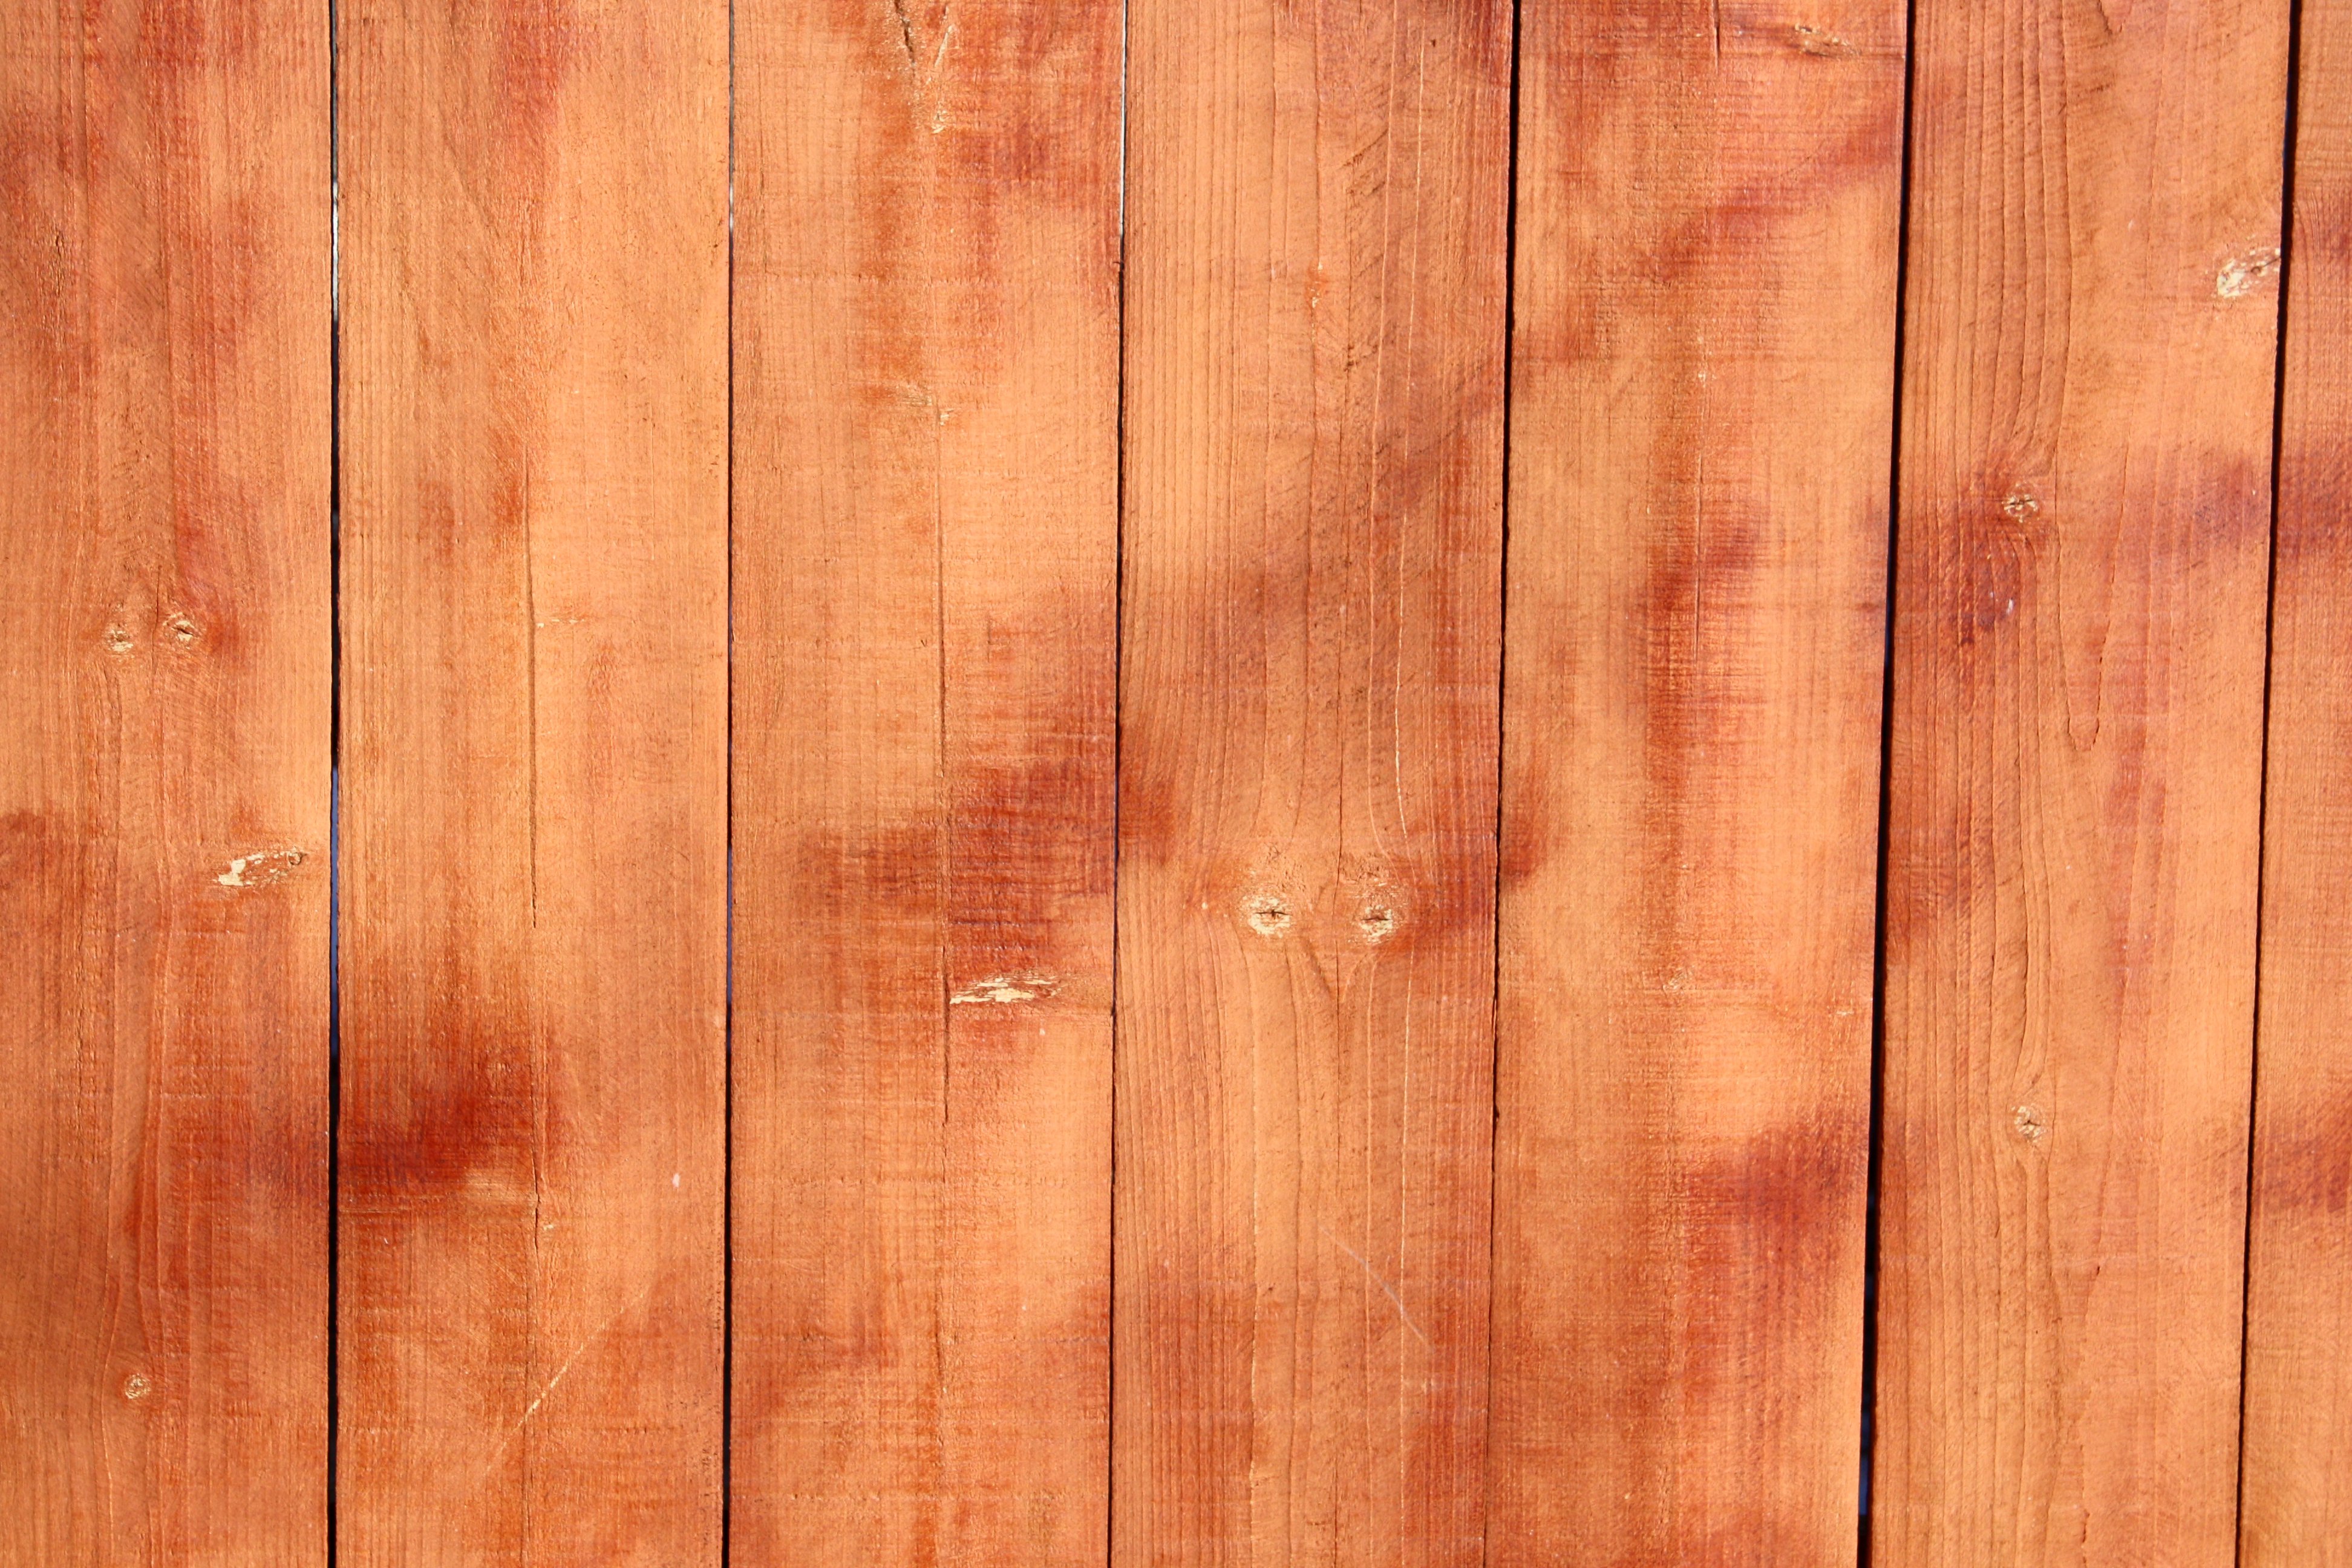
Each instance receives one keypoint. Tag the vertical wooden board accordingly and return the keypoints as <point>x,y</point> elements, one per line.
<point>2076,779</point>
<point>1314,342</point>
<point>926,479</point>
<point>533,601</point>
<point>164,751</point>
<point>2297,1496</point>
<point>1703,397</point>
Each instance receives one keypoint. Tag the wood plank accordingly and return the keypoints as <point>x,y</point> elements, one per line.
<point>2076,779</point>
<point>534,572</point>
<point>927,352</point>
<point>2297,1469</point>
<point>1314,340</point>
<point>1703,398</point>
<point>164,755</point>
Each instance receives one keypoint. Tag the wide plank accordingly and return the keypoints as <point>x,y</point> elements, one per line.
<point>2076,779</point>
<point>926,536</point>
<point>533,754</point>
<point>1317,202</point>
<point>164,752</point>
<point>2297,1477</point>
<point>1703,392</point>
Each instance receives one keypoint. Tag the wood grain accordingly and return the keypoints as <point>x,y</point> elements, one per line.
<point>2297,1477</point>
<point>164,755</point>
<point>1703,392</point>
<point>1314,340</point>
<point>2076,779</point>
<point>926,536</point>
<point>533,601</point>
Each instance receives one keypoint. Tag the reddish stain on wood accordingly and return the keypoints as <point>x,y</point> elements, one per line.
<point>1704,318</point>
<point>885,239</point>
<point>165,704</point>
<point>925,533</point>
<point>2074,783</point>
<point>534,725</point>
<point>1312,559</point>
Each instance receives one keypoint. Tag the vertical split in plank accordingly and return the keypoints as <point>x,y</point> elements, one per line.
<point>534,579</point>
<point>2297,1508</point>
<point>926,536</point>
<point>2076,779</point>
<point>1315,314</point>
<point>1710,213</point>
<point>165,707</point>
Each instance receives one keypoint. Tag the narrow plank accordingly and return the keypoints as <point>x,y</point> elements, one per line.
<point>533,604</point>
<point>1317,202</point>
<point>927,352</point>
<point>2076,779</point>
<point>2297,1497</point>
<point>164,755</point>
<point>1703,403</point>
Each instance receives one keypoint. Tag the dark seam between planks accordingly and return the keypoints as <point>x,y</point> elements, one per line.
<point>1502,772</point>
<point>1875,1181</point>
<point>2263,788</point>
<point>727,977</point>
<point>334,762</point>
<point>1118,796</point>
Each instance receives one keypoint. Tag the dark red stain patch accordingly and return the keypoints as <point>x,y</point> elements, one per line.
<point>535,46</point>
<point>458,1104</point>
<point>2306,1165</point>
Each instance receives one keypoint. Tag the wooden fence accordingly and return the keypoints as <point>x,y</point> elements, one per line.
<point>1032,783</point>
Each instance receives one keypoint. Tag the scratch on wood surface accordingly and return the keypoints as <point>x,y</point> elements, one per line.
<point>1387,1289</point>
<point>578,1350</point>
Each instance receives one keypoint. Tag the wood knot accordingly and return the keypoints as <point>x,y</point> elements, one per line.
<point>2030,1124</point>
<point>118,640</point>
<point>136,1387</point>
<point>1378,923</point>
<point>180,630</point>
<point>1267,915</point>
<point>2020,505</point>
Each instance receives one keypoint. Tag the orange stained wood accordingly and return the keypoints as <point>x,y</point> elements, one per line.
<point>926,539</point>
<point>2297,1497</point>
<point>2075,779</point>
<point>534,732</point>
<point>1703,393</point>
<point>164,755</point>
<point>1314,342</point>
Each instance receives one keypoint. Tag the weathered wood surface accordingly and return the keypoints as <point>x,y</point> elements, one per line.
<point>1262,1031</point>
<point>1709,216</point>
<point>926,539</point>
<point>2076,786</point>
<point>1315,338</point>
<point>164,755</point>
<point>534,752</point>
